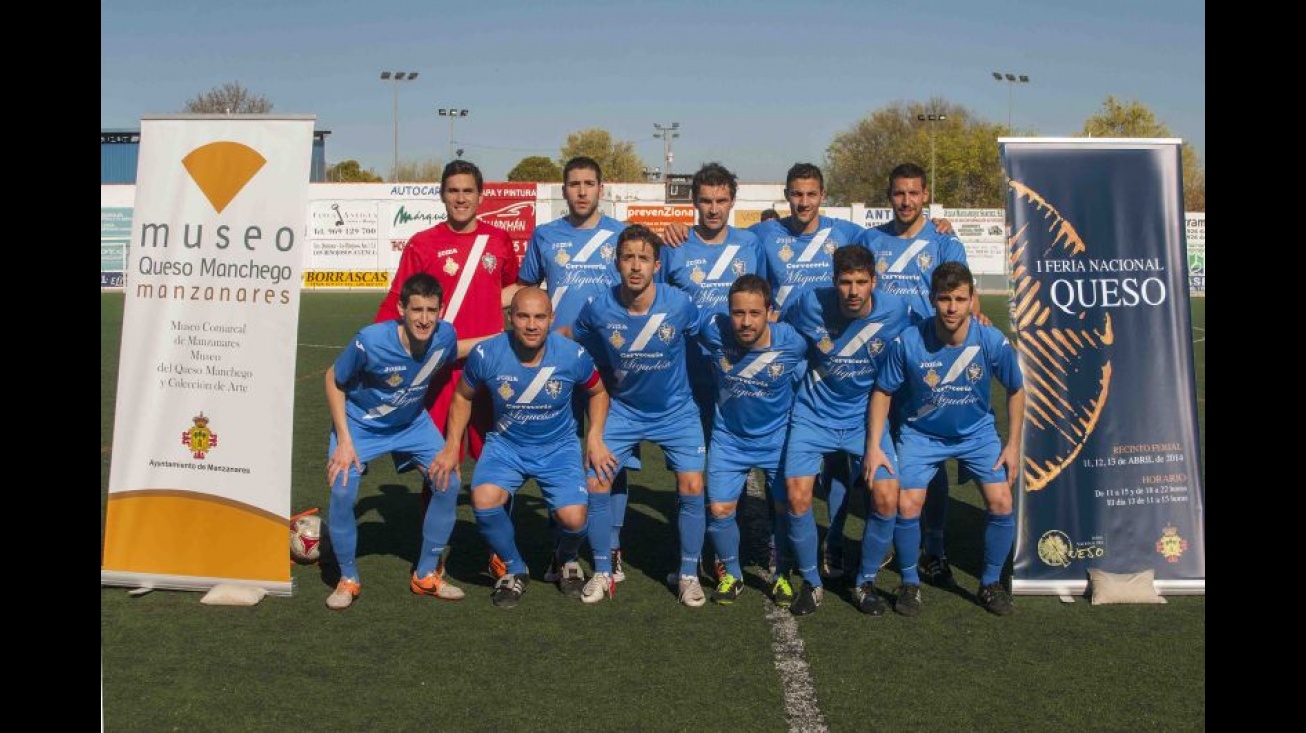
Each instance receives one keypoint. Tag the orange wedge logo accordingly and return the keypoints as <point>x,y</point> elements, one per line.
<point>222,169</point>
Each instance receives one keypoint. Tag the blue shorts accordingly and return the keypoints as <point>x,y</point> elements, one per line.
<point>412,447</point>
<point>680,435</point>
<point>808,444</point>
<point>730,458</point>
<point>580,401</point>
<point>921,456</point>
<point>556,468</point>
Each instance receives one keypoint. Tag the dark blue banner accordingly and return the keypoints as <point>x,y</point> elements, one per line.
<point>1112,467</point>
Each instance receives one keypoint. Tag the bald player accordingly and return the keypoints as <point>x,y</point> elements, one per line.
<point>530,374</point>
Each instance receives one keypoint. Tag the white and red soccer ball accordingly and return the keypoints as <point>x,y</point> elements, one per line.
<point>306,539</point>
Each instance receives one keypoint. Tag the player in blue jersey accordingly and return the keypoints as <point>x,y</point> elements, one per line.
<point>757,365</point>
<point>941,371</point>
<point>799,247</point>
<point>847,328</point>
<point>798,250</point>
<point>637,334</point>
<point>530,374</point>
<point>573,258</point>
<point>907,251</point>
<point>705,266</point>
<point>374,391</point>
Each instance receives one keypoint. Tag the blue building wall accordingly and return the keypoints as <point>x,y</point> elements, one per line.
<point>121,149</point>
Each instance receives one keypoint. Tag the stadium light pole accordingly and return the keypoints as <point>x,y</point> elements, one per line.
<point>453,114</point>
<point>932,119</point>
<point>1011,80</point>
<point>397,77</point>
<point>667,133</point>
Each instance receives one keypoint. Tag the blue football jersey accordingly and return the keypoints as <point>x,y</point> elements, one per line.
<point>383,384</point>
<point>706,271</point>
<point>532,404</point>
<point>643,356</point>
<point>755,387</point>
<point>576,264</point>
<point>843,355</point>
<point>947,391</point>
<point>903,267</point>
<point>796,264</point>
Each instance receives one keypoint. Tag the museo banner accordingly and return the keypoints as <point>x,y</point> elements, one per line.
<point>1099,275</point>
<point>199,485</point>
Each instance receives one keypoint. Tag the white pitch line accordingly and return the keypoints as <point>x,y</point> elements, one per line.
<point>802,711</point>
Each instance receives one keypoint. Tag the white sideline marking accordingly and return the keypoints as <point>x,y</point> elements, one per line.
<point>801,709</point>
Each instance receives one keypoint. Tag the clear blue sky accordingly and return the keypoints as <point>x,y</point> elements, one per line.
<point>756,85</point>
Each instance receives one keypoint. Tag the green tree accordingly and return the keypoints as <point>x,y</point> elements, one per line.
<point>536,168</point>
<point>967,172</point>
<point>617,158</point>
<point>231,99</point>
<point>1135,119</point>
<point>350,171</point>
<point>419,171</point>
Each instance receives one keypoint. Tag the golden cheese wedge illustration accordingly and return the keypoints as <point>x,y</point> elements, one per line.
<point>222,169</point>
<point>1058,421</point>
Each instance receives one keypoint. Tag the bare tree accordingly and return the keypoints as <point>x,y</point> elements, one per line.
<point>230,98</point>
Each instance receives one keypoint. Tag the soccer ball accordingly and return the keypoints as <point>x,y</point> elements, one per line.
<point>306,539</point>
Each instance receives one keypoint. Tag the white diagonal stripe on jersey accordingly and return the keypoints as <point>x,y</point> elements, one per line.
<point>428,367</point>
<point>536,385</point>
<point>814,246</point>
<point>465,279</point>
<point>911,251</point>
<point>960,364</point>
<point>557,296</point>
<point>858,341</point>
<point>380,410</point>
<point>759,364</point>
<point>722,262</point>
<point>647,331</point>
<point>782,293</point>
<point>595,242</point>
